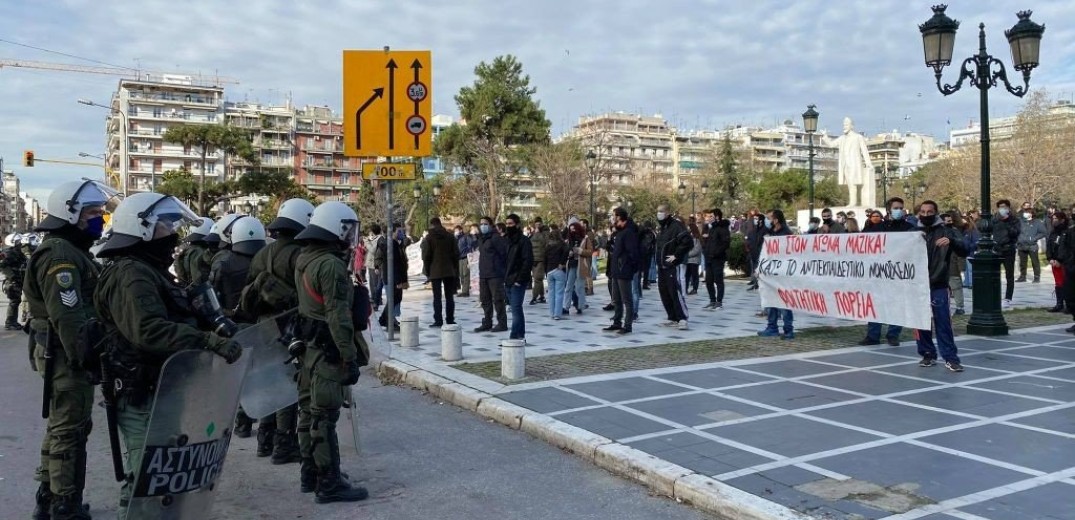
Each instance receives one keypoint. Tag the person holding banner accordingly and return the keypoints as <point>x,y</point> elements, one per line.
<point>894,224</point>
<point>942,244</point>
<point>776,225</point>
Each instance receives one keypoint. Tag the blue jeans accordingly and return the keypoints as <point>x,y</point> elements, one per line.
<point>516,293</point>
<point>652,274</point>
<point>967,272</point>
<point>577,284</point>
<point>873,331</point>
<point>942,323</point>
<point>789,320</point>
<point>556,281</point>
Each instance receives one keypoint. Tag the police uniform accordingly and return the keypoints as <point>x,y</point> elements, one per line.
<point>192,265</point>
<point>13,267</point>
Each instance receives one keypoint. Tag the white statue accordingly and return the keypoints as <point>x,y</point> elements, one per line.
<point>854,166</point>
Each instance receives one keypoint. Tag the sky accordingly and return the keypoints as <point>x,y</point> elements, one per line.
<point>702,64</point>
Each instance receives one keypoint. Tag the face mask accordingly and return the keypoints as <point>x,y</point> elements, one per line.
<point>813,227</point>
<point>511,231</point>
<point>1004,212</point>
<point>768,223</point>
<point>897,213</point>
<point>485,229</point>
<point>400,235</point>
<point>160,251</point>
<point>927,220</point>
<point>827,221</point>
<point>1027,216</point>
<point>661,215</point>
<point>95,227</point>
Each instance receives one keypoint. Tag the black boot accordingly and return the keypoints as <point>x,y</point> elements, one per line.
<point>1059,301</point>
<point>331,487</point>
<point>285,448</point>
<point>69,507</point>
<point>308,475</point>
<point>265,441</point>
<point>43,503</point>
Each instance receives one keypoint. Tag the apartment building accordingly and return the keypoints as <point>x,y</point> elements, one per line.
<point>1003,128</point>
<point>319,163</point>
<point>895,155</point>
<point>15,220</point>
<point>142,111</point>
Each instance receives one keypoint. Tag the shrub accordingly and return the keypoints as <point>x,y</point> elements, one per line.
<point>738,259</point>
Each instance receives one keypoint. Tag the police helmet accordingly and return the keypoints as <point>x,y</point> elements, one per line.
<point>66,202</point>
<point>247,236</point>
<point>217,229</point>
<point>294,215</point>
<point>199,232</point>
<point>331,222</point>
<point>143,217</point>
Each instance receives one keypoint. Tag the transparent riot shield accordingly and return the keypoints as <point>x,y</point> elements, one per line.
<point>270,381</point>
<point>188,436</point>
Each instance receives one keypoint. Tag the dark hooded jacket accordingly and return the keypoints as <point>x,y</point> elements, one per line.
<point>939,258</point>
<point>625,259</point>
<point>673,239</point>
<point>716,238</point>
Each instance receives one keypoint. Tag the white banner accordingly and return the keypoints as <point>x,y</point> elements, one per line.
<point>414,259</point>
<point>878,277</point>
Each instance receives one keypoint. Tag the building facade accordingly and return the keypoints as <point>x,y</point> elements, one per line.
<point>1001,129</point>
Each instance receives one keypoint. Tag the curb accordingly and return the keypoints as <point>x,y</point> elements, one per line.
<point>663,477</point>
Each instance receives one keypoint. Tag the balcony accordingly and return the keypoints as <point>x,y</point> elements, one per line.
<point>274,144</point>
<point>185,99</point>
<point>179,117</point>
<point>323,149</point>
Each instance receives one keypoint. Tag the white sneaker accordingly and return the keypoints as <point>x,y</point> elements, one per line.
<point>669,324</point>
<point>1006,304</point>
<point>683,325</point>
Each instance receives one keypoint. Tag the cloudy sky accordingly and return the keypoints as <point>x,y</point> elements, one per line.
<point>702,64</point>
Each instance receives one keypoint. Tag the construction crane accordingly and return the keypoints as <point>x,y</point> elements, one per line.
<point>117,71</point>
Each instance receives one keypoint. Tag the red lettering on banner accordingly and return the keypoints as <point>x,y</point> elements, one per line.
<point>794,245</point>
<point>804,299</point>
<point>772,247</point>
<point>827,244</point>
<point>856,304</point>
<point>866,244</point>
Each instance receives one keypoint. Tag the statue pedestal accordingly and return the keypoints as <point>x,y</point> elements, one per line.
<point>802,216</point>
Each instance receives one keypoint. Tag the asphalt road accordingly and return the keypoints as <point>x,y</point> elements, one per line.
<point>421,459</point>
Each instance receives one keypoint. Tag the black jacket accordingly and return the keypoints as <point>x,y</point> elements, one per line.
<point>1006,234</point>
<point>716,238</point>
<point>492,256</point>
<point>625,258</point>
<point>440,254</point>
<point>1055,243</point>
<point>939,258</point>
<point>399,260</point>
<point>673,239</point>
<point>520,260</point>
<point>555,254</point>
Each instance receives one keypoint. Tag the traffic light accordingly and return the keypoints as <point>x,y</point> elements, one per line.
<point>28,158</point>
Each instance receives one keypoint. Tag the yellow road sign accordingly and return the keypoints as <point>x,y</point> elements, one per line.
<point>389,171</point>
<point>387,103</point>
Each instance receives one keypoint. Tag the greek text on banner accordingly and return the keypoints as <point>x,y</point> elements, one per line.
<point>878,277</point>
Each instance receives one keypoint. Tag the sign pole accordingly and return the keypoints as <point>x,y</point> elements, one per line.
<point>390,251</point>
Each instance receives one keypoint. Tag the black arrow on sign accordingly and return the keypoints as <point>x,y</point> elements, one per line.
<point>417,66</point>
<point>391,66</point>
<point>377,92</point>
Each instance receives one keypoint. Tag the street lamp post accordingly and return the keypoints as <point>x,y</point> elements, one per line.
<point>591,164</point>
<point>683,193</point>
<point>123,146</point>
<point>810,126</point>
<point>983,71</point>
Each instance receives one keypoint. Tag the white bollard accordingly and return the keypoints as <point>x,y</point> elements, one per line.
<point>451,343</point>
<point>512,359</point>
<point>408,331</point>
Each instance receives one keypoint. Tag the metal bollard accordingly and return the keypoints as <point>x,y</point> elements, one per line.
<point>408,331</point>
<point>513,359</point>
<point>451,343</point>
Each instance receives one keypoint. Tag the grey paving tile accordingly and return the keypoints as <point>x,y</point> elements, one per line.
<point>1061,354</point>
<point>616,390</point>
<point>791,436</point>
<point>1063,373</point>
<point>777,492</point>
<point>1066,344</point>
<point>1060,421</point>
<point>940,476</point>
<point>986,344</point>
<point>1004,361</point>
<point>548,399</point>
<point>1039,337</point>
<point>892,418</point>
<point>1053,501</point>
<point>977,402</point>
<point>872,383</point>
<point>791,368</point>
<point>791,475</point>
<point>790,395</point>
<point>939,516</point>
<point>904,351</point>
<point>710,378</point>
<point>1033,386</point>
<point>612,423</point>
<point>696,453</point>
<point>1031,449</point>
<point>938,373</point>
<point>858,359</point>
<point>697,409</point>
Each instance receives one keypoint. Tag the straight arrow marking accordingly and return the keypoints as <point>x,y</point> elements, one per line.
<point>391,66</point>
<point>417,66</point>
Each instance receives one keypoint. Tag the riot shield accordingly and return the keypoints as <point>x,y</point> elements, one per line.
<point>352,408</point>
<point>188,436</point>
<point>270,381</point>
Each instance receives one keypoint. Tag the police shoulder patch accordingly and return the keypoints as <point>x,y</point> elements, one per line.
<point>69,298</point>
<point>65,279</point>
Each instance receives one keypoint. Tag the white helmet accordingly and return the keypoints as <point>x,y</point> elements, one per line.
<point>216,231</point>
<point>11,239</point>
<point>247,236</point>
<point>331,222</point>
<point>294,215</point>
<point>201,231</point>
<point>143,217</point>
<point>225,230</point>
<point>67,201</point>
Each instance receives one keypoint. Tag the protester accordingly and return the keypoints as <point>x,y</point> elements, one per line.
<point>716,240</point>
<point>539,237</point>
<point>970,239</point>
<point>556,253</point>
<point>754,235</point>
<point>1006,230</point>
<point>777,225</point>
<point>1031,230</point>
<point>851,225</point>
<point>467,243</point>
<point>1059,225</point>
<point>492,259</point>
<point>673,244</point>
<point>814,227</point>
<point>953,221</point>
<point>694,259</point>
<point>647,239</point>
<point>624,261</point>
<point>440,264</point>
<point>942,243</point>
<point>829,225</point>
<point>517,272</point>
<point>1066,257</point>
<point>394,288</point>
<point>895,223</point>
<point>577,267</point>
<point>375,244</point>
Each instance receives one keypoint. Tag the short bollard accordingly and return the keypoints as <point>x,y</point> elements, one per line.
<point>451,343</point>
<point>408,331</point>
<point>512,359</point>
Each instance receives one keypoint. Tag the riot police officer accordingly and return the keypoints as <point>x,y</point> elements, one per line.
<point>192,264</point>
<point>332,360</point>
<point>270,290</point>
<point>59,284</point>
<point>146,315</point>
<point>13,267</point>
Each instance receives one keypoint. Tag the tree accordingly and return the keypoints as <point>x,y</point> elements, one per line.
<point>790,189</point>
<point>561,171</point>
<point>181,185</point>
<point>208,139</point>
<point>645,194</point>
<point>501,117</point>
<point>728,180</point>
